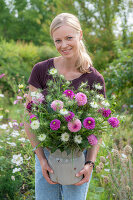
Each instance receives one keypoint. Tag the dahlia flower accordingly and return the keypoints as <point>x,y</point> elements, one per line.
<point>114,122</point>
<point>75,125</point>
<point>55,124</point>
<point>81,98</point>
<point>106,113</point>
<point>29,106</point>
<point>92,139</point>
<point>42,137</point>
<point>69,93</point>
<point>89,123</point>
<point>69,116</point>
<point>57,105</point>
<point>35,124</point>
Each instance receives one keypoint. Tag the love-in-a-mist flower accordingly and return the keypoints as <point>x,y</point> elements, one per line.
<point>42,137</point>
<point>35,124</point>
<point>57,105</point>
<point>69,116</point>
<point>113,121</point>
<point>69,93</point>
<point>89,123</point>
<point>65,137</point>
<point>98,86</point>
<point>53,71</point>
<point>55,124</point>
<point>64,111</point>
<point>106,113</point>
<point>94,104</point>
<point>78,139</point>
<point>92,139</point>
<point>81,98</point>
<point>75,125</point>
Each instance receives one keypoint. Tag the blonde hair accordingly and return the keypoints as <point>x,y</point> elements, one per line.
<point>84,61</point>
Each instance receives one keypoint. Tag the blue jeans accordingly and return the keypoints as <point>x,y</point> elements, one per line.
<point>46,191</point>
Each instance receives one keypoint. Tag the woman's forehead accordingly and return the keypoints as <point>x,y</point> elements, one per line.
<point>64,31</point>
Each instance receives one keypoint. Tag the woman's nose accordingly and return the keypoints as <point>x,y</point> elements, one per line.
<point>64,44</point>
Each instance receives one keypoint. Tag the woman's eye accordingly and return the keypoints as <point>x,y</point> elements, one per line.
<point>69,38</point>
<point>57,41</point>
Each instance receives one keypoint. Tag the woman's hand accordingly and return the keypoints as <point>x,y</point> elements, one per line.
<point>86,171</point>
<point>45,169</point>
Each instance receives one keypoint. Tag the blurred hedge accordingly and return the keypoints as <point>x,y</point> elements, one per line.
<point>17,60</point>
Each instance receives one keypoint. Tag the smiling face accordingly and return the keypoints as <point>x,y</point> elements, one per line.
<point>66,40</point>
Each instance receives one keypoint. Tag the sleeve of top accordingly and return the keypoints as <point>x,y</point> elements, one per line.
<point>35,78</point>
<point>100,80</point>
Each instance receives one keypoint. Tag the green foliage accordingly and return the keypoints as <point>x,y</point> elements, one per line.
<point>118,76</point>
<point>17,60</point>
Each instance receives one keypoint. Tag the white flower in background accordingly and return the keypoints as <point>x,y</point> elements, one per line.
<point>1,116</point>
<point>1,95</point>
<point>14,134</point>
<point>1,140</point>
<point>16,170</point>
<point>7,130</point>
<point>105,103</point>
<point>106,170</point>
<point>78,139</point>
<point>123,155</point>
<point>98,96</point>
<point>98,86</point>
<point>35,124</point>
<point>10,124</point>
<point>22,130</point>
<point>83,84</point>
<point>13,178</point>
<point>1,147</point>
<point>65,137</point>
<point>28,158</point>
<point>94,104</point>
<point>15,124</point>
<point>12,144</point>
<point>42,137</point>
<point>4,126</point>
<point>22,139</point>
<point>53,71</point>
<point>63,111</point>
<point>17,159</point>
<point>8,138</point>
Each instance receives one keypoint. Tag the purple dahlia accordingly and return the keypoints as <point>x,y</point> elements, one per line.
<point>69,93</point>
<point>55,124</point>
<point>29,106</point>
<point>92,139</point>
<point>113,121</point>
<point>106,113</point>
<point>89,123</point>
<point>69,116</point>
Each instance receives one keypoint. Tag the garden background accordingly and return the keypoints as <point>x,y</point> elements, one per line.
<point>24,41</point>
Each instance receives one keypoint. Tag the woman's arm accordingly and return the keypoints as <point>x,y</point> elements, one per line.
<point>34,142</point>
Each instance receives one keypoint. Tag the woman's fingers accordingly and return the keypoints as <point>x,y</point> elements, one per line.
<point>46,176</point>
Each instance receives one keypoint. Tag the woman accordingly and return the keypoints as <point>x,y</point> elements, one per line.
<point>75,64</point>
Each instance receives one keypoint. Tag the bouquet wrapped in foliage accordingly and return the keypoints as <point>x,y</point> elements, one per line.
<point>67,119</point>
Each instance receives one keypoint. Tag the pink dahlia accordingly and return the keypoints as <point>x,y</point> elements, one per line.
<point>74,126</point>
<point>106,113</point>
<point>89,123</point>
<point>33,116</point>
<point>69,93</point>
<point>92,139</point>
<point>114,122</point>
<point>81,98</point>
<point>57,105</point>
<point>69,117</point>
<point>55,124</point>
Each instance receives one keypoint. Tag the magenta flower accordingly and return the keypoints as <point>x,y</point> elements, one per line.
<point>74,126</point>
<point>2,75</point>
<point>21,124</point>
<point>29,106</point>
<point>101,110</point>
<point>89,123</point>
<point>114,122</point>
<point>16,101</point>
<point>55,124</point>
<point>19,98</point>
<point>69,93</point>
<point>106,113</point>
<point>92,139</point>
<point>69,117</point>
<point>33,116</point>
<point>57,105</point>
<point>81,98</point>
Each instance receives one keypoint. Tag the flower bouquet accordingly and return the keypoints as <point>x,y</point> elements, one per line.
<point>68,121</point>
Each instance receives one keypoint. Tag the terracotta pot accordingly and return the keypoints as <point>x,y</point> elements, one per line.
<point>66,166</point>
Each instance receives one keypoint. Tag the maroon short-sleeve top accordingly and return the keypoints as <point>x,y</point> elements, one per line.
<point>39,77</point>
